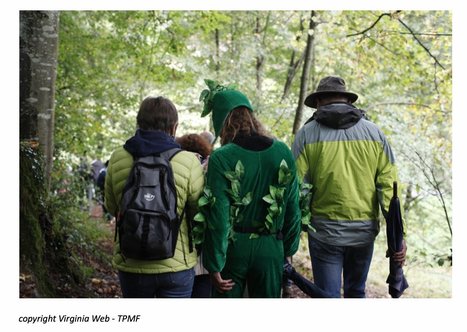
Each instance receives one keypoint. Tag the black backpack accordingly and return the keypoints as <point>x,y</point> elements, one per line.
<point>148,223</point>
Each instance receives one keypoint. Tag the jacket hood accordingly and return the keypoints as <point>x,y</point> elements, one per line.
<point>338,116</point>
<point>148,142</point>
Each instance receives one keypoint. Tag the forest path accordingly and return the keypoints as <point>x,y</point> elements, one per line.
<point>103,281</point>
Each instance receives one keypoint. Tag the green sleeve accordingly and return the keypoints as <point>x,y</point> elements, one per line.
<point>298,151</point>
<point>385,177</point>
<point>109,197</point>
<point>218,223</point>
<point>292,219</point>
<point>195,187</point>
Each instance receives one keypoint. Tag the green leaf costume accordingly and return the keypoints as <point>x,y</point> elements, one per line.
<point>239,188</point>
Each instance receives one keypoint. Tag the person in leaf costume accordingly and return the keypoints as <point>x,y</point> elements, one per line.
<point>252,217</point>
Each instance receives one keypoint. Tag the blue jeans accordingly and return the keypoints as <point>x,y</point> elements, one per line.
<point>329,262</point>
<point>171,284</point>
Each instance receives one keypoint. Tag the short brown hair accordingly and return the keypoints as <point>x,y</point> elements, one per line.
<point>195,143</point>
<point>240,122</point>
<point>157,113</point>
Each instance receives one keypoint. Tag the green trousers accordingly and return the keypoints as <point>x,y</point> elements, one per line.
<point>256,264</point>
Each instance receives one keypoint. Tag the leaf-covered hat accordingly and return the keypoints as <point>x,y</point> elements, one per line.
<point>221,100</point>
<point>330,85</point>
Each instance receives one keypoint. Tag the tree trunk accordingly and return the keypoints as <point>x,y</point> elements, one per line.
<point>38,69</point>
<point>218,65</point>
<point>293,65</point>
<point>38,63</point>
<point>305,74</point>
<point>259,58</point>
<point>260,33</point>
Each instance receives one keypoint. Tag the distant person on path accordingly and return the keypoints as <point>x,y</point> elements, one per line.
<point>157,122</point>
<point>100,182</point>
<point>96,166</point>
<point>351,167</point>
<point>245,243</point>
<point>208,136</point>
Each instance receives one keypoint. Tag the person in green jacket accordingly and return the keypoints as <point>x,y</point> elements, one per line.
<point>254,221</point>
<point>351,167</point>
<point>157,122</point>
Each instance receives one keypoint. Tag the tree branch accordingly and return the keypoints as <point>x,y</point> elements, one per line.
<point>430,176</point>
<point>420,43</point>
<point>417,33</point>
<point>436,185</point>
<point>400,104</point>
<point>371,26</point>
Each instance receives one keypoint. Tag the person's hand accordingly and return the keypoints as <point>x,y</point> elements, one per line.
<point>221,285</point>
<point>399,257</point>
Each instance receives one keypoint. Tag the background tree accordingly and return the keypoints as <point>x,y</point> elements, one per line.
<point>308,56</point>
<point>38,61</point>
<point>38,65</point>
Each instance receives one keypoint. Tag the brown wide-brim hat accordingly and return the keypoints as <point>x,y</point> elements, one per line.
<point>330,85</point>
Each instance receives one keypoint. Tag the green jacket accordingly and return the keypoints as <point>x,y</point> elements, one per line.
<point>350,164</point>
<point>189,181</point>
<point>260,171</point>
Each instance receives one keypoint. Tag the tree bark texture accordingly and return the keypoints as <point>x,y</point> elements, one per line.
<point>38,70</point>
<point>259,59</point>
<point>305,74</point>
<point>294,65</point>
<point>218,65</point>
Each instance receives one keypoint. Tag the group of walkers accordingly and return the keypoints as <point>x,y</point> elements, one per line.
<point>248,190</point>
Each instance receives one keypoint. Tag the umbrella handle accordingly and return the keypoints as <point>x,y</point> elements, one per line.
<point>394,188</point>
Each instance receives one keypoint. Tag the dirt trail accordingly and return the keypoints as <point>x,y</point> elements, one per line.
<point>104,283</point>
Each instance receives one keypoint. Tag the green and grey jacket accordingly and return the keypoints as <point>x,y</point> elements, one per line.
<point>350,164</point>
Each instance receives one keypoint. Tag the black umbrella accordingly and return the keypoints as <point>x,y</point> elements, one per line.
<point>303,283</point>
<point>394,232</point>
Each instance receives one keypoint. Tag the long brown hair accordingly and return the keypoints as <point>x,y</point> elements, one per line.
<point>241,122</point>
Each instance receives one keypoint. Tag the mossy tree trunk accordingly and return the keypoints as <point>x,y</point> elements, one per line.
<point>38,70</point>
<point>38,62</point>
<point>33,218</point>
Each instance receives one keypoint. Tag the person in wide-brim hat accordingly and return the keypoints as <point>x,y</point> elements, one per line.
<point>350,166</point>
<point>330,85</point>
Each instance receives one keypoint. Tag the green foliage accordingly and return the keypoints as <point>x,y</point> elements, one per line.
<point>305,205</point>
<point>205,202</point>
<point>275,198</point>
<point>237,200</point>
<point>52,242</point>
<point>110,60</point>
<point>32,198</point>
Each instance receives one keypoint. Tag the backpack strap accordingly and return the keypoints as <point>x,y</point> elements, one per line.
<point>169,154</point>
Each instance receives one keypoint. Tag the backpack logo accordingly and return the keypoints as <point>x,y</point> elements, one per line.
<point>149,197</point>
<point>148,225</point>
